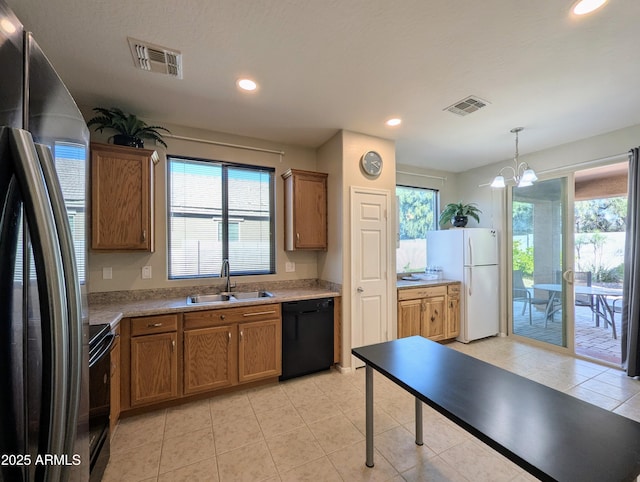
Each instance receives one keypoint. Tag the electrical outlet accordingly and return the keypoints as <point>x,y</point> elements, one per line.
<point>289,266</point>
<point>146,272</point>
<point>107,273</point>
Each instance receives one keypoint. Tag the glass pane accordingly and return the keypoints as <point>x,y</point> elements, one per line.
<point>538,223</point>
<point>249,226</point>
<point>195,209</point>
<point>417,214</point>
<point>71,164</point>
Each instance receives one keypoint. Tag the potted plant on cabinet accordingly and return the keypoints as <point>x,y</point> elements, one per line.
<point>130,130</point>
<point>458,214</point>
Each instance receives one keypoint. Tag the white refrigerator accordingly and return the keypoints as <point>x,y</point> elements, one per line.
<point>470,255</point>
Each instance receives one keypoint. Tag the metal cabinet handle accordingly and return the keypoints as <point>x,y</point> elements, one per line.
<point>144,235</point>
<point>222,317</point>
<point>359,289</point>
<point>154,325</point>
<point>241,334</point>
<point>173,345</point>
<point>258,313</point>
<point>229,333</point>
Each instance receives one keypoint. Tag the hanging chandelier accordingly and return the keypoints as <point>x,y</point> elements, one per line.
<point>522,176</point>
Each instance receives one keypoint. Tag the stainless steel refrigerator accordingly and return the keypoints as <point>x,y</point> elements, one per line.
<point>43,317</point>
<point>470,255</point>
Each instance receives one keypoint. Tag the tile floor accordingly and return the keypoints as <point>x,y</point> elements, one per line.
<point>312,428</point>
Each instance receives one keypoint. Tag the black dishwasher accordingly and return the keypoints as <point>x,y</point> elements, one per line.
<point>307,337</point>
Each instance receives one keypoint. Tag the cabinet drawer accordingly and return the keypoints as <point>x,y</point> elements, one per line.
<point>203,319</point>
<point>147,325</point>
<point>454,290</point>
<point>415,293</point>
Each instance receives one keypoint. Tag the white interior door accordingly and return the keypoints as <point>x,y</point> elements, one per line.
<point>370,316</point>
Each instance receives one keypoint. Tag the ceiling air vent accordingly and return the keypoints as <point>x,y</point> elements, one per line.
<point>467,106</point>
<point>154,58</point>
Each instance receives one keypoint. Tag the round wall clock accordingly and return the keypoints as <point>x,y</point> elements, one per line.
<point>371,163</point>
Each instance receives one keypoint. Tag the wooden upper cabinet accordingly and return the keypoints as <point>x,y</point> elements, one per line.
<point>305,207</point>
<point>122,197</point>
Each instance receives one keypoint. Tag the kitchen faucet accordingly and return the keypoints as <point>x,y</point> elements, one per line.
<point>225,271</point>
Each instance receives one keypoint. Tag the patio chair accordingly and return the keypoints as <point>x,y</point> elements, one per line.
<point>522,293</point>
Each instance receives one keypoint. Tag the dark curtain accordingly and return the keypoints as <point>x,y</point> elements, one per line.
<point>631,286</point>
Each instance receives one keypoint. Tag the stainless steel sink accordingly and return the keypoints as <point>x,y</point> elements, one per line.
<point>197,299</point>
<point>248,295</point>
<point>227,296</point>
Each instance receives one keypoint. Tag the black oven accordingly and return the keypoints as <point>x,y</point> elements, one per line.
<point>100,344</point>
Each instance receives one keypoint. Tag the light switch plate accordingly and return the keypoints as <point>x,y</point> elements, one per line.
<point>289,266</point>
<point>146,272</point>
<point>107,273</point>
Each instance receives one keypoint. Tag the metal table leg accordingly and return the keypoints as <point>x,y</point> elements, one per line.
<point>369,413</point>
<point>418,422</point>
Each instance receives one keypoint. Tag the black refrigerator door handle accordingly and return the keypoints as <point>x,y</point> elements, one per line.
<point>72,287</point>
<point>48,258</point>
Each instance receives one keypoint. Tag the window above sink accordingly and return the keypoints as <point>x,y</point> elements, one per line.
<point>219,210</point>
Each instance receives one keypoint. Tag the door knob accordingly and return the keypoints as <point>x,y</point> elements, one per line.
<point>360,289</point>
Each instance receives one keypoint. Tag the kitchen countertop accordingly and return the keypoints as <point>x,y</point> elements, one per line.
<point>404,284</point>
<point>112,313</point>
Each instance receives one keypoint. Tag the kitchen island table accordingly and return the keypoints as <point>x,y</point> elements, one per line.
<point>550,434</point>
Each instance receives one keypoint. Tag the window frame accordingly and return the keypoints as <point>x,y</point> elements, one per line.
<point>225,166</point>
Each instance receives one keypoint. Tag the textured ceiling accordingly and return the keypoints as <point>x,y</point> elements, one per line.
<point>324,65</point>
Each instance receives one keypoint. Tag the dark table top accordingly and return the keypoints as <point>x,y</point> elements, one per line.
<point>552,435</point>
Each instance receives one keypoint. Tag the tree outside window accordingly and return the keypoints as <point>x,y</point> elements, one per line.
<point>417,214</point>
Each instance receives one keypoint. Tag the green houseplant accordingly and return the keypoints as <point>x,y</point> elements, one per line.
<point>458,214</point>
<point>130,130</point>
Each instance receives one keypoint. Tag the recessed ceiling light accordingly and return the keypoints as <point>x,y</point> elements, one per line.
<point>582,7</point>
<point>394,122</point>
<point>247,84</point>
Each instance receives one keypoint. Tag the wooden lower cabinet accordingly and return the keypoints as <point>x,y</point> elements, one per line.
<point>409,317</point>
<point>222,348</point>
<point>434,318</point>
<point>210,358</point>
<point>431,312</point>
<point>154,359</point>
<point>154,368</point>
<point>453,313</point>
<point>166,357</point>
<point>260,350</point>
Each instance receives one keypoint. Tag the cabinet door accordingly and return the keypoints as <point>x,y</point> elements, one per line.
<point>154,368</point>
<point>311,212</point>
<point>259,350</point>
<point>210,358</point>
<point>121,196</point>
<point>409,316</point>
<point>453,318</point>
<point>433,319</point>
<point>115,382</point>
<point>305,204</point>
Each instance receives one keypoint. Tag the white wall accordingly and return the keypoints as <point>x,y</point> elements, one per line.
<point>330,161</point>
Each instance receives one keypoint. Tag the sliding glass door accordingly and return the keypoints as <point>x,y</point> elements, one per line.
<point>542,240</point>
